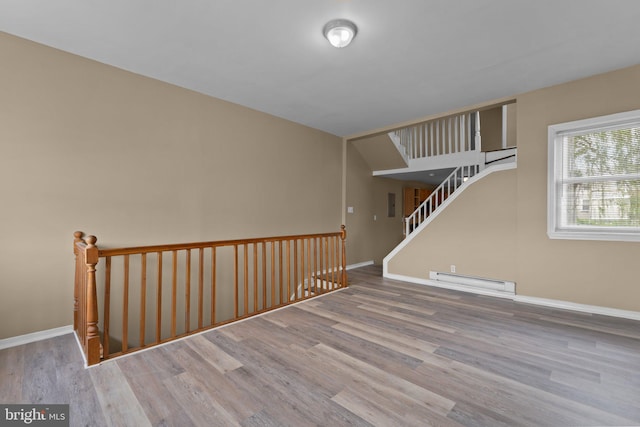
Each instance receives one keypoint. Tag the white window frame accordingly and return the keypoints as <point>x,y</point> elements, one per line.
<point>554,230</point>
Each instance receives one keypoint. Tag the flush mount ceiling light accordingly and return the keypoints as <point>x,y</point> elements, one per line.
<point>340,32</point>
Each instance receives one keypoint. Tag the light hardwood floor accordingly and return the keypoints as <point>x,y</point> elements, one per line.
<point>381,352</point>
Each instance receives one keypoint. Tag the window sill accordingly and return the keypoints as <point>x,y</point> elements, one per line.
<point>595,235</point>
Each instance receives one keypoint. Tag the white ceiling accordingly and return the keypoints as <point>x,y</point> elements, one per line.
<point>411,58</point>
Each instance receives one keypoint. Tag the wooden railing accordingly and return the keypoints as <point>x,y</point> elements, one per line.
<point>149,295</point>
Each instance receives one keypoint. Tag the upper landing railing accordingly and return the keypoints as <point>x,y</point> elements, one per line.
<point>447,135</point>
<point>143,296</point>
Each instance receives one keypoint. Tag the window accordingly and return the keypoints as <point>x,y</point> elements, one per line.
<point>594,178</point>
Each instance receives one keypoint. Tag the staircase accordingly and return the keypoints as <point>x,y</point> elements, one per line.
<point>453,182</point>
<point>450,148</point>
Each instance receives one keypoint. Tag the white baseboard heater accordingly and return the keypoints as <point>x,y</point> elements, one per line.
<point>474,283</point>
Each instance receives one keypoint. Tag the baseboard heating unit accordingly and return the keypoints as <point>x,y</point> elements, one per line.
<point>472,284</point>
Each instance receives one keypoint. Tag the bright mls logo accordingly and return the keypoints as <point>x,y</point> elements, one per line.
<point>34,415</point>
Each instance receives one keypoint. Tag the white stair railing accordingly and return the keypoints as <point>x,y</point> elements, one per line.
<point>448,135</point>
<point>455,180</point>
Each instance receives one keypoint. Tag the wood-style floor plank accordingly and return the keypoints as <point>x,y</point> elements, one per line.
<point>12,374</point>
<point>379,353</point>
<point>119,404</point>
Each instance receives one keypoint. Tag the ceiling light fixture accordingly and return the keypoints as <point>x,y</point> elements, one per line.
<point>340,32</point>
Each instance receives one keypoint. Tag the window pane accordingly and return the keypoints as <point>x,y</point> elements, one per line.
<point>612,203</point>
<point>602,153</point>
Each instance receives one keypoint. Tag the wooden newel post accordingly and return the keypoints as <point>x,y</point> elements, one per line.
<point>343,236</point>
<point>93,334</point>
<point>77,237</point>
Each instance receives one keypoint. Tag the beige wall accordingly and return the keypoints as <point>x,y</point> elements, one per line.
<point>379,152</point>
<point>84,146</point>
<point>369,239</point>
<point>387,230</point>
<point>476,233</point>
<point>585,272</point>
<point>491,129</point>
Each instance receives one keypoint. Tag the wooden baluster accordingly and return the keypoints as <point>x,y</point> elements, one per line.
<point>125,306</point>
<point>336,269</point>
<point>320,265</point>
<point>343,236</point>
<point>107,306</point>
<point>255,277</point>
<point>327,261</point>
<point>143,297</point>
<point>200,287</point>
<point>308,266</point>
<point>315,265</point>
<point>213,285</point>
<point>174,292</point>
<point>246,279</point>
<point>280,265</point>
<point>187,292</point>
<point>159,300</point>
<point>272,300</point>
<point>288,270</point>
<point>235,281</point>
<point>295,269</point>
<point>330,263</point>
<point>93,333</point>
<point>264,275</point>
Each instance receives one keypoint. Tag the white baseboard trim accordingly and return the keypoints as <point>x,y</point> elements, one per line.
<point>35,336</point>
<point>545,302</point>
<point>584,308</point>
<point>360,264</point>
<point>84,356</point>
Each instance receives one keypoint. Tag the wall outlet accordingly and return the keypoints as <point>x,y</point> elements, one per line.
<point>375,217</point>
<point>453,268</point>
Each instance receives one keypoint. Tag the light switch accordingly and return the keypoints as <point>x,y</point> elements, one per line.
<point>350,209</point>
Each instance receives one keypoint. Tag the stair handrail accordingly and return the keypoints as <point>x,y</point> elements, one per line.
<point>451,183</point>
